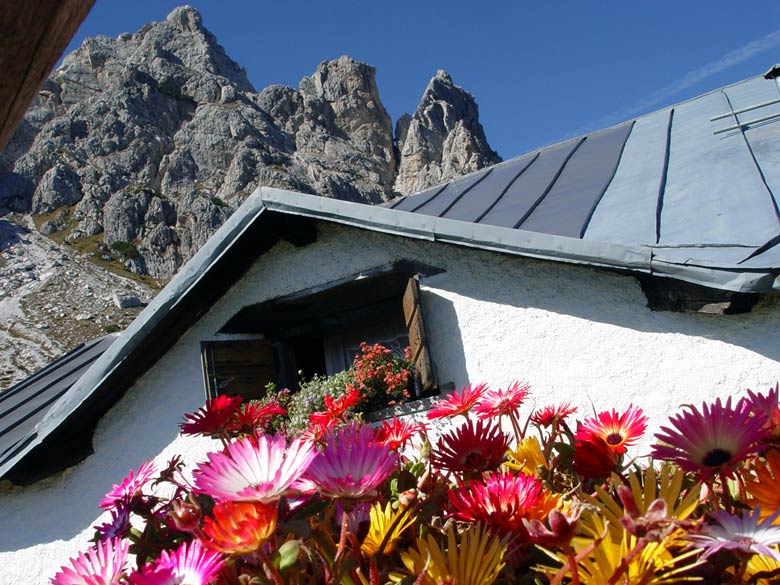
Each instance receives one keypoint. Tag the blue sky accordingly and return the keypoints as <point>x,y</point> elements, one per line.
<point>541,71</point>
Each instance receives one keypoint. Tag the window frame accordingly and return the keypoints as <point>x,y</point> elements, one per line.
<point>309,315</point>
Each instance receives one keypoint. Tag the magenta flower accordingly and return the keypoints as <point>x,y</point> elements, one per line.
<point>713,440</point>
<point>130,486</point>
<point>118,526</point>
<point>502,401</point>
<point>102,565</point>
<point>745,533</point>
<point>190,564</point>
<point>352,465</point>
<point>254,469</point>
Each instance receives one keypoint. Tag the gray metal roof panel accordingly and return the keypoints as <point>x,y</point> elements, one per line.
<point>25,404</point>
<point>567,207</point>
<point>488,191</point>
<point>632,195</point>
<point>713,193</point>
<point>530,187</point>
<point>442,201</point>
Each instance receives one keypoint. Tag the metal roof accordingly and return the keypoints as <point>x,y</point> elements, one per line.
<point>676,193</point>
<point>693,184</point>
<point>23,405</point>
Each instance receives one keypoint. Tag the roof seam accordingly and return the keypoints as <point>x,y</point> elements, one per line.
<point>609,182</point>
<point>762,248</point>
<point>752,154</point>
<point>659,206</point>
<point>431,198</point>
<point>466,190</point>
<point>544,194</point>
<point>490,207</point>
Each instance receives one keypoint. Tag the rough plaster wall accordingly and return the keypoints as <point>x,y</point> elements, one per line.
<point>573,333</point>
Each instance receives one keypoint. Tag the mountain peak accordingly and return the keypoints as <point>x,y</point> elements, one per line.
<point>443,139</point>
<point>186,18</point>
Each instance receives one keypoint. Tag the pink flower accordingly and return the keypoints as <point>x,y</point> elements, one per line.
<point>352,465</point>
<point>190,564</point>
<point>619,431</point>
<point>713,440</point>
<point>102,565</point>
<point>502,402</point>
<point>254,469</point>
<point>130,486</point>
<point>454,404</point>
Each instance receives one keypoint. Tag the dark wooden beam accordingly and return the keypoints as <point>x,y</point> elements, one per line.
<point>667,294</point>
<point>33,35</point>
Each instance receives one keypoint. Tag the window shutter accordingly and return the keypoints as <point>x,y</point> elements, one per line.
<point>418,341</point>
<point>241,367</point>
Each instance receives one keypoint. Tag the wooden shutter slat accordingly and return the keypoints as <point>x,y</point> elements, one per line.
<point>418,341</point>
<point>239,367</point>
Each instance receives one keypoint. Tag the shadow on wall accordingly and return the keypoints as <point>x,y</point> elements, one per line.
<point>446,346</point>
<point>617,299</point>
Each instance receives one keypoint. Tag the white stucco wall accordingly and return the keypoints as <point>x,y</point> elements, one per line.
<point>573,333</point>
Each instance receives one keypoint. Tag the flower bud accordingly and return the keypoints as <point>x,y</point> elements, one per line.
<point>185,515</point>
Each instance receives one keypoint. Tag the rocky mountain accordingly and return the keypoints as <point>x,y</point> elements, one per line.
<point>138,148</point>
<point>442,140</point>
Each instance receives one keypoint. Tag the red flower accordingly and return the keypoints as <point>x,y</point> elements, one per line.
<point>335,409</point>
<point>395,434</point>
<point>454,404</point>
<point>253,417</point>
<point>498,402</point>
<point>551,415</point>
<point>502,501</point>
<point>594,458</point>
<point>212,418</point>
<point>618,431</point>
<point>472,449</point>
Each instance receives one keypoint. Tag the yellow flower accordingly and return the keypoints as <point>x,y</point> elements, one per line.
<point>654,564</point>
<point>601,530</point>
<point>527,457</point>
<point>382,522</point>
<point>476,558</point>
<point>650,485</point>
<point>765,488</point>
<point>762,570</point>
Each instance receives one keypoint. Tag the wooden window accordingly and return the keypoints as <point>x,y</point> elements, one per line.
<point>241,366</point>
<point>317,330</point>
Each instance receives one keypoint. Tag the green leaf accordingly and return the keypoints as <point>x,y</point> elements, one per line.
<point>287,555</point>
